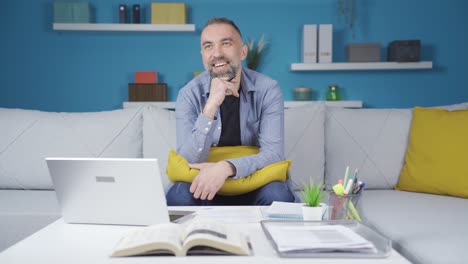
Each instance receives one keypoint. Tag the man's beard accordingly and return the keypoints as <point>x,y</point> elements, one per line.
<point>229,73</point>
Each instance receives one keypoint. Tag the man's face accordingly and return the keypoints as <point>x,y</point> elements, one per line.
<point>222,50</point>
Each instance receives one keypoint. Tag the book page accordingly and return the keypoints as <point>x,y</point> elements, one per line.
<point>153,239</point>
<point>216,236</point>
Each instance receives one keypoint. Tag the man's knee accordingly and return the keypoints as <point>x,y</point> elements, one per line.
<point>274,191</point>
<point>179,194</point>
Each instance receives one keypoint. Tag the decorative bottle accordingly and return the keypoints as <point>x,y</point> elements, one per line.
<point>333,94</point>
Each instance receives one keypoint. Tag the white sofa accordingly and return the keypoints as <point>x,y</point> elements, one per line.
<point>320,140</point>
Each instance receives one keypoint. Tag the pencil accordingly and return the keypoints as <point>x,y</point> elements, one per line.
<point>346,175</point>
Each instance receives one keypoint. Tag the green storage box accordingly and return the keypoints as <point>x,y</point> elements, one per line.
<point>72,12</point>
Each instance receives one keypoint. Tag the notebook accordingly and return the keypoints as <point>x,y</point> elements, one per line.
<point>114,191</point>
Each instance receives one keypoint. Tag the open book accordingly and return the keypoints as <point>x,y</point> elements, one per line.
<point>195,238</point>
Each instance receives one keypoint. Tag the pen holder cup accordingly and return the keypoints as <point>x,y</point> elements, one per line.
<point>343,207</point>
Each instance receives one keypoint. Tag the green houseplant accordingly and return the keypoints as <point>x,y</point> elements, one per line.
<point>256,52</point>
<point>347,12</point>
<point>312,196</point>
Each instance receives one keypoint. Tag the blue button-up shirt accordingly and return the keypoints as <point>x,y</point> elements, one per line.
<point>261,122</point>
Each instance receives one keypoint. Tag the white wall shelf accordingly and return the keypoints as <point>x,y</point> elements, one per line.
<point>122,27</point>
<point>287,104</point>
<point>350,66</point>
<point>344,104</point>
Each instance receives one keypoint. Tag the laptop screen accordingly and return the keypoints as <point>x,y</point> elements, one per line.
<point>117,191</point>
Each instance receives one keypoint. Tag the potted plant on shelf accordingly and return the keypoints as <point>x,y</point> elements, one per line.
<point>256,52</point>
<point>312,196</point>
<point>347,11</point>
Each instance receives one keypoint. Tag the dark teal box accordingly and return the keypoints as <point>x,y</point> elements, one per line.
<point>73,12</point>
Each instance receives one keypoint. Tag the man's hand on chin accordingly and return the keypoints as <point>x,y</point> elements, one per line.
<point>219,89</point>
<point>210,178</point>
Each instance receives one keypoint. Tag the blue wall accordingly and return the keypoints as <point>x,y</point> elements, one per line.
<point>89,71</point>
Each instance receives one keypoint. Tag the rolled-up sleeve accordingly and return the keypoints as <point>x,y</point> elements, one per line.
<point>194,130</point>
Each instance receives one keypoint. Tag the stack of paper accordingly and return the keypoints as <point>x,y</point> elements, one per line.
<point>284,210</point>
<point>318,239</point>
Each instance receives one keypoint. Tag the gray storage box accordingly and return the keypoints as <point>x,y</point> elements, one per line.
<point>363,52</point>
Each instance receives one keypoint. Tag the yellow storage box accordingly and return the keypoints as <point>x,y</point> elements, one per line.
<point>168,13</point>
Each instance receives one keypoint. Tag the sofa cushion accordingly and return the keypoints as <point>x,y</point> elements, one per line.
<point>29,136</point>
<point>373,141</point>
<point>435,161</point>
<point>159,137</point>
<point>304,143</point>
<point>454,106</point>
<point>425,228</point>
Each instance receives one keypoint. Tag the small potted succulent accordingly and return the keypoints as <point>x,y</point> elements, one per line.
<point>312,196</point>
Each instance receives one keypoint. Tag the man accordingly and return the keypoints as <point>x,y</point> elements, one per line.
<point>228,106</point>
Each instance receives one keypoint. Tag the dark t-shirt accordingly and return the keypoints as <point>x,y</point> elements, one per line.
<point>230,118</point>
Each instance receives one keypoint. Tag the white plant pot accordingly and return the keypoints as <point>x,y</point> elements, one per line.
<point>313,213</point>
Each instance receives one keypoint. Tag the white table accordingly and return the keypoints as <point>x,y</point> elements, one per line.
<point>75,243</point>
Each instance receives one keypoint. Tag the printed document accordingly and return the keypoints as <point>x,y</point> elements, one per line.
<point>318,239</point>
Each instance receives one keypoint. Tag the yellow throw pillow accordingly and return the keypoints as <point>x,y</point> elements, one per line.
<point>178,170</point>
<point>437,154</point>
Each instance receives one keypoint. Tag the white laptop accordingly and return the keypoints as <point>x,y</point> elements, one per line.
<point>109,190</point>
